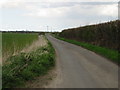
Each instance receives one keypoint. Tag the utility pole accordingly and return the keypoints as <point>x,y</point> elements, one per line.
<point>47,28</point>
<point>51,29</point>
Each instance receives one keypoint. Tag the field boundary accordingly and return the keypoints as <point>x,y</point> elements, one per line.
<point>26,66</point>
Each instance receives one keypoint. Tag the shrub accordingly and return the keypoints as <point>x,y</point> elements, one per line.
<point>25,66</point>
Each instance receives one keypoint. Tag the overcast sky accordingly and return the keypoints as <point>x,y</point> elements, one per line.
<point>56,14</point>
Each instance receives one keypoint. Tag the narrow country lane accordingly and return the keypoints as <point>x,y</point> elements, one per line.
<point>80,68</point>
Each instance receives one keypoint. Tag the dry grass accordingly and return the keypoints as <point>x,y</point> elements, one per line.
<point>36,44</point>
<point>27,66</point>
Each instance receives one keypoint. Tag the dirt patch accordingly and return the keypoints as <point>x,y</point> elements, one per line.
<point>51,80</point>
<point>36,44</point>
<point>56,81</point>
<point>42,81</point>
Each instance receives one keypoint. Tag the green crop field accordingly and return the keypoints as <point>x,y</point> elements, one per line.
<point>14,42</point>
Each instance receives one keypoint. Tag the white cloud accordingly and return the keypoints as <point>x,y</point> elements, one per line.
<point>110,10</point>
<point>62,14</point>
<point>6,2</point>
<point>56,12</point>
<point>47,9</point>
<point>11,4</point>
<point>48,12</point>
<point>98,10</point>
<point>61,0</point>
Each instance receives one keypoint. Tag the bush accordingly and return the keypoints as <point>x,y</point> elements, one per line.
<point>25,66</point>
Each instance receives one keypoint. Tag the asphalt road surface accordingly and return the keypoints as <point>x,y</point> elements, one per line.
<point>80,68</point>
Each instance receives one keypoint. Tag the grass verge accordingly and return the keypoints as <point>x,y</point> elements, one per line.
<point>27,66</point>
<point>108,53</point>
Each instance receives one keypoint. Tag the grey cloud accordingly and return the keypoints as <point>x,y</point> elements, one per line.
<point>67,4</point>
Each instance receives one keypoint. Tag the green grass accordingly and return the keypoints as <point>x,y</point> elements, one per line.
<point>0,44</point>
<point>108,53</point>
<point>14,42</point>
<point>27,66</point>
